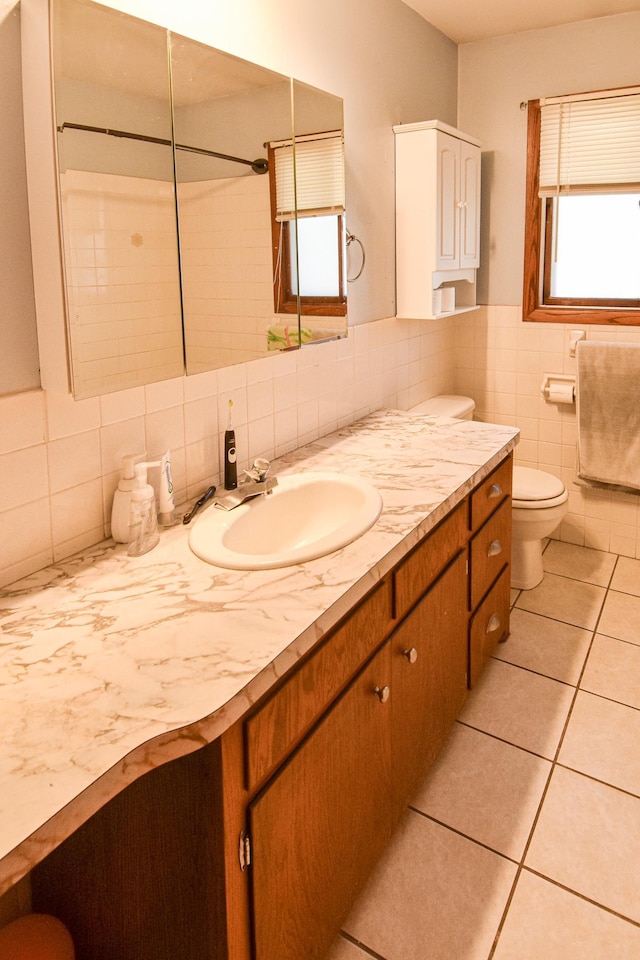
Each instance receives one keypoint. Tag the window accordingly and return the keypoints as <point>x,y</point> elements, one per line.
<point>582,224</point>
<point>307,198</point>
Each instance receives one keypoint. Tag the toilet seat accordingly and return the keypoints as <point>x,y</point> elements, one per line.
<point>536,490</point>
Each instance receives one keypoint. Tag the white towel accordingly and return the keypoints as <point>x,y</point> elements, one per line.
<point>608,398</point>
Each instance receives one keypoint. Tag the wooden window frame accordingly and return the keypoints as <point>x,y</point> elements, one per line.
<point>285,301</point>
<point>559,310</point>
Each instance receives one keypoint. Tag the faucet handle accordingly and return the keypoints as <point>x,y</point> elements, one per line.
<point>259,469</point>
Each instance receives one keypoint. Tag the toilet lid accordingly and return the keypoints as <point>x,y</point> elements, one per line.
<point>530,484</point>
<point>446,405</point>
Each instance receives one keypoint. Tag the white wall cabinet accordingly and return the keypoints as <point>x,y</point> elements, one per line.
<point>437,219</point>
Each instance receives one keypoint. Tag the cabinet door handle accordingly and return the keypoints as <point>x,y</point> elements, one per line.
<point>382,693</point>
<point>411,654</point>
<point>495,491</point>
<point>495,549</point>
<point>494,623</point>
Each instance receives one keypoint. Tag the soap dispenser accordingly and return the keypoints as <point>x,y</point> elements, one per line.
<point>143,518</point>
<point>122,499</point>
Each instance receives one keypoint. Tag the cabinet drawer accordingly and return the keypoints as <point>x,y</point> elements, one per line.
<point>491,493</point>
<point>490,551</point>
<point>417,572</point>
<point>489,625</point>
<point>288,714</point>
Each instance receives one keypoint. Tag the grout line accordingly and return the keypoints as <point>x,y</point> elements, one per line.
<point>581,896</point>
<point>361,946</point>
<point>554,764</point>
<point>465,836</point>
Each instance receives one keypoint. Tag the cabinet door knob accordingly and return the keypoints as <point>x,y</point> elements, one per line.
<point>494,623</point>
<point>495,491</point>
<point>382,693</point>
<point>411,654</point>
<point>495,548</point>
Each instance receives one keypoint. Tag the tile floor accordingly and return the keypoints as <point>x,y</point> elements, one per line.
<point>523,842</point>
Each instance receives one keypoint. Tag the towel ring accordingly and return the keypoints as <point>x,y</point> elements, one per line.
<point>350,238</point>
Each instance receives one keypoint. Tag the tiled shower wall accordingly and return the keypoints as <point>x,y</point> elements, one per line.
<point>225,243</point>
<point>123,284</point>
<point>500,361</point>
<point>60,458</point>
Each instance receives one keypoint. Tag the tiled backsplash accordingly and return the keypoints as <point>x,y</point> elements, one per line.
<point>60,459</point>
<point>500,361</point>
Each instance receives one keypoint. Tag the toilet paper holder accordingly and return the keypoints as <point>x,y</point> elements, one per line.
<point>559,387</point>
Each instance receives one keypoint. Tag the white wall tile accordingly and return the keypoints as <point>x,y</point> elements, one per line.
<point>74,460</point>
<point>22,420</point>
<point>123,405</point>
<point>23,476</point>
<point>66,416</point>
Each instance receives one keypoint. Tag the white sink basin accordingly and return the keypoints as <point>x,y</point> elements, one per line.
<point>306,516</point>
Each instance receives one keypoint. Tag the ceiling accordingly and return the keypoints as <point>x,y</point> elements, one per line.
<point>464,21</point>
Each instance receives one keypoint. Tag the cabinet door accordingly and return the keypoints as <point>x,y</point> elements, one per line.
<point>320,825</point>
<point>469,205</point>
<point>448,240</point>
<point>429,677</point>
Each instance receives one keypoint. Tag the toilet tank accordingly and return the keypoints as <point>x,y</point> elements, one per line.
<point>446,405</point>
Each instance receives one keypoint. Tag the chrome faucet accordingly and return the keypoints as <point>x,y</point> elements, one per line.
<point>255,483</point>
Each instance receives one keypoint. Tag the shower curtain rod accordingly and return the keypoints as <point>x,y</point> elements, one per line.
<point>258,166</point>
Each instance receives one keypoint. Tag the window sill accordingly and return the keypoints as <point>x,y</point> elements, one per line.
<point>624,317</point>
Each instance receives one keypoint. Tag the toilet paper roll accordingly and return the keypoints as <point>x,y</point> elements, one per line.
<point>561,393</point>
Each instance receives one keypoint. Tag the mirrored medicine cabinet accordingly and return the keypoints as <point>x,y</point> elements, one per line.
<point>172,230</point>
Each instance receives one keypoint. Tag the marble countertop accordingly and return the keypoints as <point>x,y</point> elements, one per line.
<point>111,665</point>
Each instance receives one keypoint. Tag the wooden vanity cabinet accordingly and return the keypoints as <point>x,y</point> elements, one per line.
<point>489,566</point>
<point>429,677</point>
<point>319,825</point>
<point>322,823</point>
<point>255,846</point>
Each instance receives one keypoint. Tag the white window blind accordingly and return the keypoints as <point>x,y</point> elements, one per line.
<point>590,143</point>
<point>318,189</point>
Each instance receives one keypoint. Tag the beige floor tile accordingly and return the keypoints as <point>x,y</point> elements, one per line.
<point>435,894</point>
<point>345,950</point>
<point>588,840</point>
<point>520,707</point>
<point>579,563</point>
<point>563,599</point>
<point>547,923</point>
<point>547,646</point>
<point>602,741</point>
<point>621,617</point>
<point>506,785</point>
<point>626,577</point>
<point>613,670</point>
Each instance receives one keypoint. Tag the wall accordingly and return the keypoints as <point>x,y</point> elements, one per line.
<point>59,458</point>
<point>500,358</point>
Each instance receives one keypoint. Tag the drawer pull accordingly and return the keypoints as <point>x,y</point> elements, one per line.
<point>495,491</point>
<point>411,654</point>
<point>495,549</point>
<point>382,693</point>
<point>494,623</point>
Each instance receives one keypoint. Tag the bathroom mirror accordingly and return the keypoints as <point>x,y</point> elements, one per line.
<point>225,111</point>
<point>143,305</point>
<point>117,198</point>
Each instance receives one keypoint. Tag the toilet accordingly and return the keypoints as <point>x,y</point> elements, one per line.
<point>539,501</point>
<point>446,405</point>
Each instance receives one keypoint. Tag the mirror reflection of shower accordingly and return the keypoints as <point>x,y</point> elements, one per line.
<point>149,298</point>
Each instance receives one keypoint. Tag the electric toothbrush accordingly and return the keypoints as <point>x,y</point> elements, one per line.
<point>230,468</point>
